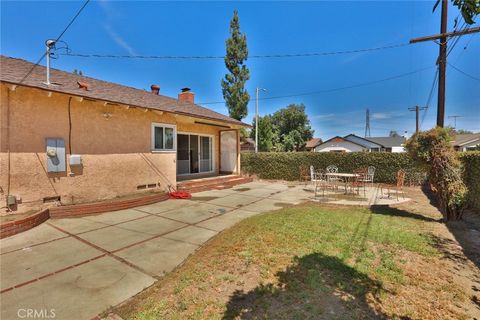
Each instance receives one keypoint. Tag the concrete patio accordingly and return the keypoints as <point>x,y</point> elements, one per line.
<point>79,267</point>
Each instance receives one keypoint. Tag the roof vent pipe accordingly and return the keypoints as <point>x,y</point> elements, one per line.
<point>155,88</point>
<point>50,44</point>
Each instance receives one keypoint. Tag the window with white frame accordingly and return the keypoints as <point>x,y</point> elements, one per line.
<point>163,137</point>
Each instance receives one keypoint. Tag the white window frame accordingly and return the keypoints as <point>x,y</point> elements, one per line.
<point>163,125</point>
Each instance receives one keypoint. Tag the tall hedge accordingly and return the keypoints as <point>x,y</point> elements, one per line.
<point>285,166</point>
<point>471,176</point>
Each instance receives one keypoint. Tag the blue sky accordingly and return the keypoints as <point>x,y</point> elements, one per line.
<point>200,28</point>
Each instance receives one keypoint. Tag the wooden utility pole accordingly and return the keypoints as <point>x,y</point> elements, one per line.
<point>442,58</point>
<point>442,67</point>
<point>417,116</point>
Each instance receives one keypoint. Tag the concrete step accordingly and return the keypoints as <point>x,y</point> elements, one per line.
<point>212,184</point>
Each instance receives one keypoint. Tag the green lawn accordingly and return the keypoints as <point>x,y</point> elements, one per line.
<point>309,262</point>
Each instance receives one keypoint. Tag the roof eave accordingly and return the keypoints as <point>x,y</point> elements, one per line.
<point>80,95</point>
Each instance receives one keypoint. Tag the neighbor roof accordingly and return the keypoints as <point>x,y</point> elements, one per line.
<point>388,142</point>
<point>461,139</point>
<point>13,70</point>
<point>312,143</point>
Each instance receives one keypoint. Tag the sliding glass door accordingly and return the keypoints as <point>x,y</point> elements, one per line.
<point>194,154</point>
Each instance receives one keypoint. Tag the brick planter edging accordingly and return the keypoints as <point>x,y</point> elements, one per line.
<point>100,207</point>
<point>14,227</point>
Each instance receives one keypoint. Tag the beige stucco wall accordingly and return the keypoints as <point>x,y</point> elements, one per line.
<point>116,152</point>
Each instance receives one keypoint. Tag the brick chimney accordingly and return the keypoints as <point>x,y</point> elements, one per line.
<point>186,96</point>
<point>155,88</point>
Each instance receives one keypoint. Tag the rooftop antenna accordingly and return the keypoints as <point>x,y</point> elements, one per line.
<point>367,124</point>
<point>49,44</point>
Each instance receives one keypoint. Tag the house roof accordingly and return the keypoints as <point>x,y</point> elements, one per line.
<point>385,142</point>
<point>343,140</point>
<point>462,139</point>
<point>388,142</point>
<point>13,70</point>
<point>312,143</point>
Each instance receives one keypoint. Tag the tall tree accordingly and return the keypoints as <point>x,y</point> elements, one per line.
<point>265,133</point>
<point>292,127</point>
<point>233,85</point>
<point>394,133</point>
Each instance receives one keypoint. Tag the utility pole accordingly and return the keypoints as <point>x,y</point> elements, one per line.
<point>442,67</point>
<point>367,124</point>
<point>256,118</point>
<point>417,116</point>
<point>442,58</point>
<point>455,120</point>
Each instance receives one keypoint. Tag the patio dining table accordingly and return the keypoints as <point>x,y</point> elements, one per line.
<point>343,176</point>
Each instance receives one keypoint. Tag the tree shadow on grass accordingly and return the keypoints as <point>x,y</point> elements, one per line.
<point>315,286</point>
<point>465,231</point>
<point>391,211</point>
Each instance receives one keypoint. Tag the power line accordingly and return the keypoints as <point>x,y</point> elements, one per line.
<point>430,96</point>
<point>463,72</point>
<point>333,89</point>
<point>56,40</point>
<point>282,55</point>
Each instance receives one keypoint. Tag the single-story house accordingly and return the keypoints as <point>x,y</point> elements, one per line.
<point>247,145</point>
<point>312,144</point>
<point>80,139</point>
<point>354,143</point>
<point>466,142</point>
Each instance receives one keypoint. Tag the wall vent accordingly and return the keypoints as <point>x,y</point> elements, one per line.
<point>51,199</point>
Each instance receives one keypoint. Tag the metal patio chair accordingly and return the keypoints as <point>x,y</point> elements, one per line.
<point>368,178</point>
<point>398,185</point>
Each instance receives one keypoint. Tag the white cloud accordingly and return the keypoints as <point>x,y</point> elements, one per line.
<point>119,40</point>
<point>112,14</point>
<point>324,116</point>
<point>380,115</point>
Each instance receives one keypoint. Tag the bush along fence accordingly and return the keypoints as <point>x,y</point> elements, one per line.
<point>285,166</point>
<point>471,176</point>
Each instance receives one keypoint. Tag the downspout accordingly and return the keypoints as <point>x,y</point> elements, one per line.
<point>69,126</point>
<point>8,144</point>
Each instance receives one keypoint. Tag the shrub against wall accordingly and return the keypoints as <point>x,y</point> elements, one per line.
<point>285,165</point>
<point>471,176</point>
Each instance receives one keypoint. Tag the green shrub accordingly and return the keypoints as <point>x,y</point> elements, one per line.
<point>471,176</point>
<point>285,165</point>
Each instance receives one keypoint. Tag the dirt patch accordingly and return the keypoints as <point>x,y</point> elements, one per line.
<point>457,241</point>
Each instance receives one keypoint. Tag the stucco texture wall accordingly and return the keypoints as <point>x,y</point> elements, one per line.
<point>116,151</point>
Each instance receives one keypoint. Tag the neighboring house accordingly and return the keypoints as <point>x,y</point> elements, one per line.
<point>312,144</point>
<point>353,143</point>
<point>81,139</point>
<point>247,145</point>
<point>466,142</point>
<point>390,144</point>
